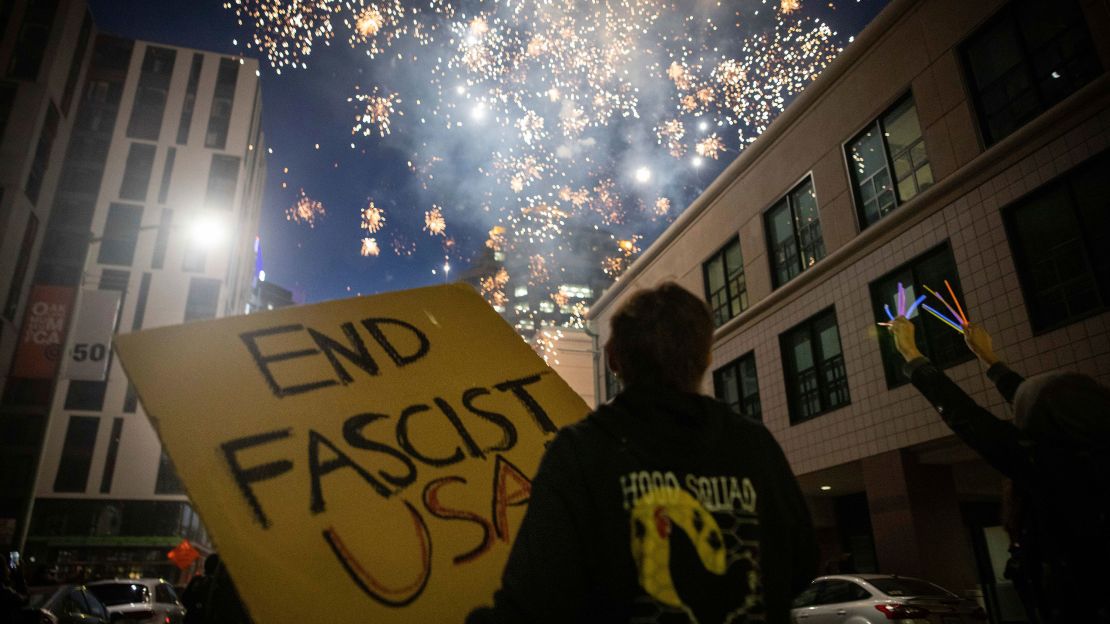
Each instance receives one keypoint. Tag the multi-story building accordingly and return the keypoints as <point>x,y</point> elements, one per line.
<point>159,202</point>
<point>44,51</point>
<point>967,142</point>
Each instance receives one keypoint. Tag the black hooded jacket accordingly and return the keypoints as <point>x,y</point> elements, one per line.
<point>659,507</point>
<point>1060,466</point>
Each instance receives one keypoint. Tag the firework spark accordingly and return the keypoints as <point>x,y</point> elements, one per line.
<point>434,223</point>
<point>373,218</point>
<point>370,247</point>
<point>305,211</point>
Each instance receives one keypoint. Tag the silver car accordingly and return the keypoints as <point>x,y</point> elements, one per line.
<point>880,599</point>
<point>140,601</point>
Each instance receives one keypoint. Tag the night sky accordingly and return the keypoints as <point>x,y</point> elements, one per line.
<point>306,108</point>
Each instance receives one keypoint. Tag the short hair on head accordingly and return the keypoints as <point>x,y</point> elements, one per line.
<point>662,335</point>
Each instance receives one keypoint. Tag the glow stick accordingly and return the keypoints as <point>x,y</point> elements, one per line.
<point>901,299</point>
<point>941,299</point>
<point>913,307</point>
<point>956,301</point>
<point>942,317</point>
<point>888,314</point>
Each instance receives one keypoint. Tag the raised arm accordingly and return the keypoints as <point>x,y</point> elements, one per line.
<point>997,441</point>
<point>979,341</point>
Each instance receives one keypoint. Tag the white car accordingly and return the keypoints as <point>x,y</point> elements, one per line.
<point>880,599</point>
<point>140,601</point>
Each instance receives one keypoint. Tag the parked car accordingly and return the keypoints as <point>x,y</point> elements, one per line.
<point>140,601</point>
<point>879,599</point>
<point>63,604</point>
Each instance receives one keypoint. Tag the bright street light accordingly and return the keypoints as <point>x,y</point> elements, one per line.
<point>207,231</point>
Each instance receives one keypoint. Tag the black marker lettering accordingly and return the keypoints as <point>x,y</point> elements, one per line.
<point>317,470</point>
<point>449,412</point>
<point>508,430</point>
<point>263,361</point>
<point>372,326</point>
<point>244,477</point>
<point>360,357</point>
<point>516,386</point>
<point>352,433</point>
<point>406,445</point>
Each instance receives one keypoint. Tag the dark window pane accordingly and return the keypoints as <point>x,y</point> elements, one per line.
<point>735,384</point>
<point>794,234</point>
<point>222,100</point>
<point>30,44</point>
<point>136,174</point>
<point>75,62</point>
<point>121,233</point>
<point>195,258</point>
<point>1029,57</point>
<point>110,460</point>
<point>912,172</point>
<point>784,248</point>
<point>190,99</point>
<point>204,294</point>
<point>167,481</point>
<point>223,177</point>
<point>936,341</point>
<point>162,239</point>
<point>130,399</point>
<point>42,154</point>
<point>813,366</point>
<point>87,396</point>
<point>15,289</point>
<point>77,454</point>
<point>867,164</point>
<point>140,303</point>
<point>1059,248</point>
<point>725,287</point>
<point>7,100</point>
<point>167,173</point>
<point>804,203</point>
<point>150,95</point>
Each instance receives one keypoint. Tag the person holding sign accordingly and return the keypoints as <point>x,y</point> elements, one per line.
<point>1056,454</point>
<point>663,505</point>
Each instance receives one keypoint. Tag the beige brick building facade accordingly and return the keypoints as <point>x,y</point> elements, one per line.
<point>897,478</point>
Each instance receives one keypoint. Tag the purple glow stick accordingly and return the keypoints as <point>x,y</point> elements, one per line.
<point>901,299</point>
<point>914,306</point>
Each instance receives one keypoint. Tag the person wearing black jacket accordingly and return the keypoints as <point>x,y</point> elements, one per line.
<point>1057,455</point>
<point>664,505</point>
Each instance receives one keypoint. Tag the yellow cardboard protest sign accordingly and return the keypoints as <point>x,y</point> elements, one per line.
<point>363,460</point>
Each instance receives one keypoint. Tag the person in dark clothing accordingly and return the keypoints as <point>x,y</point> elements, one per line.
<point>211,598</point>
<point>13,590</point>
<point>664,505</point>
<point>1057,454</point>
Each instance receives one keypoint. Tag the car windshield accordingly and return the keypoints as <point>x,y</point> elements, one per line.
<point>909,587</point>
<point>120,593</point>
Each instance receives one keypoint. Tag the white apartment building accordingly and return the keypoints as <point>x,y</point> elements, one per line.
<point>44,51</point>
<point>959,141</point>
<point>159,201</point>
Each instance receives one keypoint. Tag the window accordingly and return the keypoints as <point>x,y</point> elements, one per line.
<point>167,481</point>
<point>725,287</point>
<point>794,234</point>
<point>892,142</point>
<point>936,341</point>
<point>223,177</point>
<point>30,45</point>
<point>130,399</point>
<point>150,95</point>
<point>167,172</point>
<point>837,591</point>
<point>121,233</point>
<point>77,454</point>
<point>7,100</point>
<point>87,396</point>
<point>190,100</point>
<point>1032,55</point>
<point>204,293</point>
<point>1060,237</point>
<point>162,240</point>
<point>140,303</point>
<point>15,289</point>
<point>136,174</point>
<point>110,460</point>
<point>735,384</point>
<point>42,154</point>
<point>222,100</point>
<point>816,381</point>
<point>75,62</point>
<point>164,593</point>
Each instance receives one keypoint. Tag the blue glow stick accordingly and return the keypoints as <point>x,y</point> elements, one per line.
<point>914,306</point>
<point>889,315</point>
<point>942,317</point>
